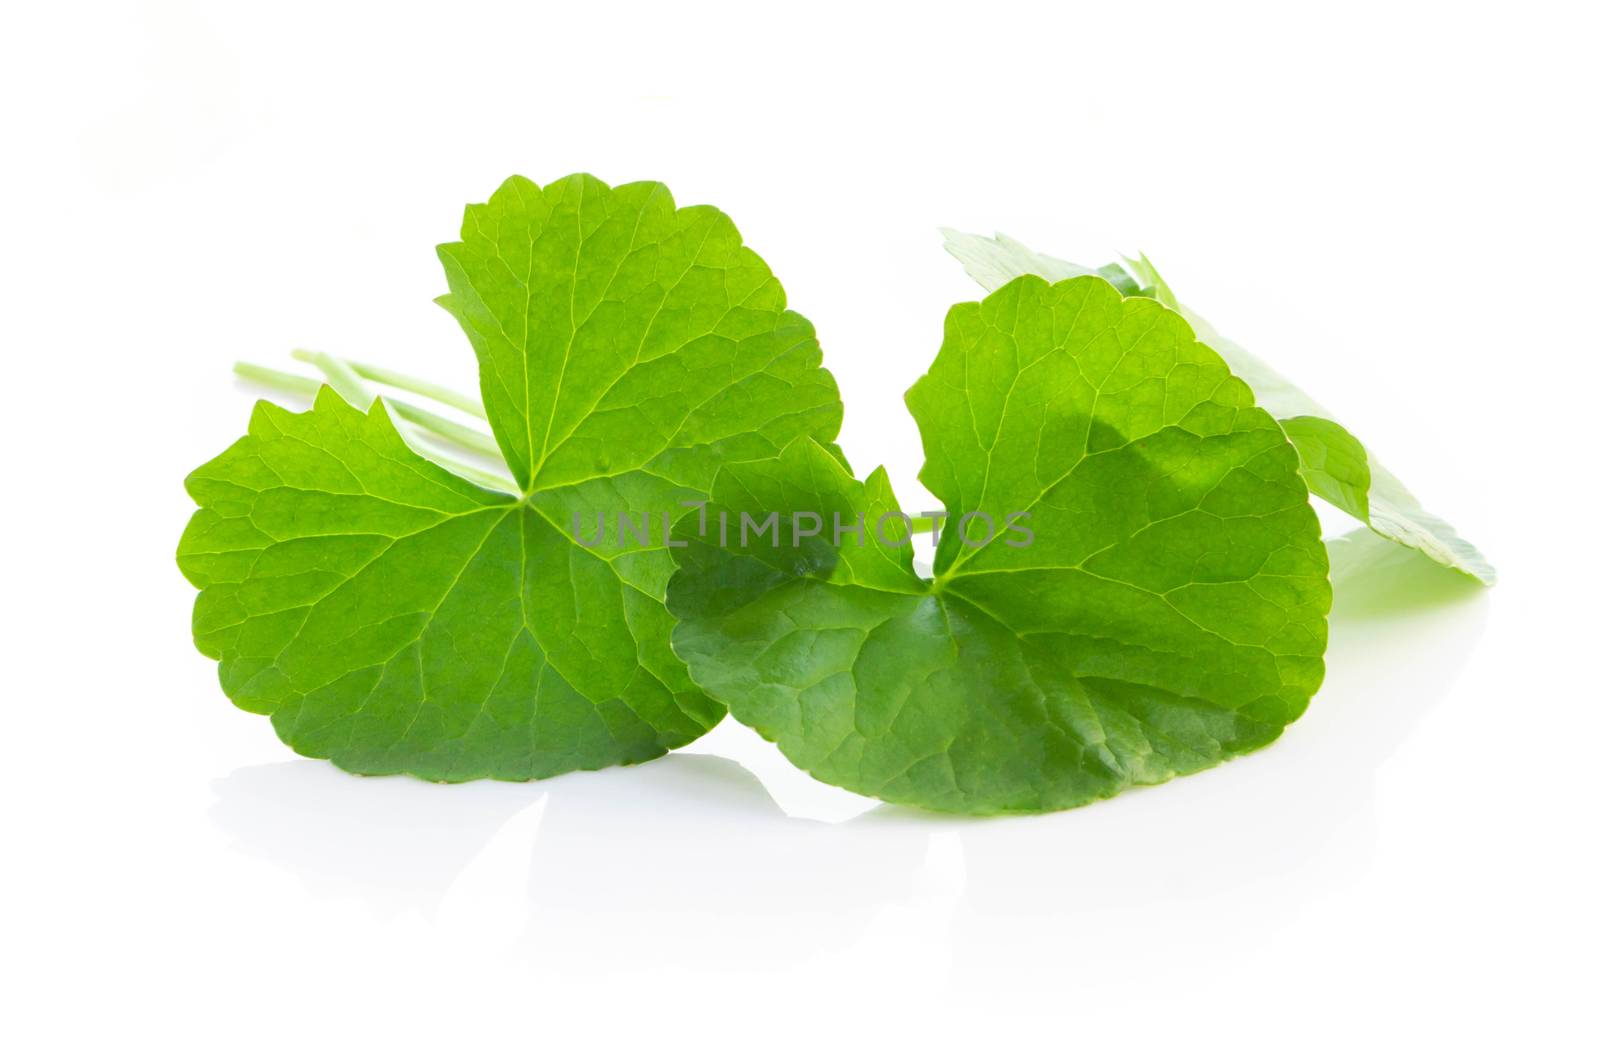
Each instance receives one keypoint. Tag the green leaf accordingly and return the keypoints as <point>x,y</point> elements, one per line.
<point>394,617</point>
<point>1336,465</point>
<point>1333,463</point>
<point>1168,613</point>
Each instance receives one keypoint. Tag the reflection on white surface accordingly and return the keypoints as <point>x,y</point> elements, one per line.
<point>396,843</point>
<point>1221,861</point>
<point>689,862</point>
<point>686,859</point>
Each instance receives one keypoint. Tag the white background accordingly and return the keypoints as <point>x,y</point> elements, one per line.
<point>1394,204</point>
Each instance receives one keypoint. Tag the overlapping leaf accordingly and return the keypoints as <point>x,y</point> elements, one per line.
<point>1168,612</point>
<point>393,617</point>
<point>1336,465</point>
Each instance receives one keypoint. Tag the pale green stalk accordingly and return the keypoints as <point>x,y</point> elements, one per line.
<point>445,429</point>
<point>348,384</point>
<point>272,378</point>
<point>342,375</point>
<point>344,381</point>
<point>410,383</point>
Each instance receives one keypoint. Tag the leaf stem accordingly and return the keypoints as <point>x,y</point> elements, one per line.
<point>342,376</point>
<point>272,378</point>
<point>344,380</point>
<point>445,429</point>
<point>481,477</point>
<point>410,383</point>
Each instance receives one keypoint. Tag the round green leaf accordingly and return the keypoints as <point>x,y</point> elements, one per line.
<point>1160,607</point>
<point>394,617</point>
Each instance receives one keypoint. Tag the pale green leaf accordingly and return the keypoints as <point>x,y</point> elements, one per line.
<point>1337,466</point>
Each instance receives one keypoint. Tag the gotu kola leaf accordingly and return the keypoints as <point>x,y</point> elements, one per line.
<point>394,617</point>
<point>1161,608</point>
<point>1336,465</point>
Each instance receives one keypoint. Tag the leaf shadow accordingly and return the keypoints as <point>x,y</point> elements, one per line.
<point>1375,578</point>
<point>394,842</point>
<point>684,860</point>
<point>688,863</point>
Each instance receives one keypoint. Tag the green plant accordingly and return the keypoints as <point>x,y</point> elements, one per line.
<point>403,592</point>
<point>395,615</point>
